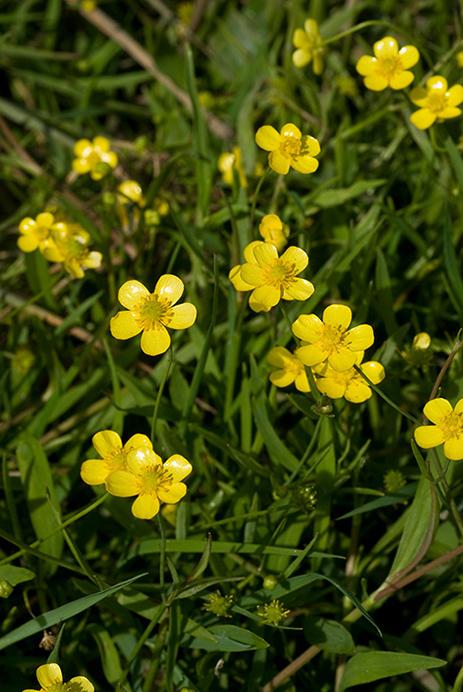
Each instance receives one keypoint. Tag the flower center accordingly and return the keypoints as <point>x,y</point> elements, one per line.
<point>57,687</point>
<point>279,274</point>
<point>332,339</point>
<point>452,425</point>
<point>290,146</point>
<point>93,158</point>
<point>156,478</point>
<point>74,246</point>
<point>436,102</point>
<point>293,366</point>
<point>389,66</point>
<point>154,311</point>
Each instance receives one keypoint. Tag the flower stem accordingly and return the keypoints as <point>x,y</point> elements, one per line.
<point>254,200</point>
<point>162,563</point>
<point>159,396</point>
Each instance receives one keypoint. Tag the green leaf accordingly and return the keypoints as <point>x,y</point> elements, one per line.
<point>229,638</point>
<point>109,656</point>
<point>376,665</point>
<point>333,198</point>
<point>15,575</point>
<point>452,267</point>
<point>37,482</point>
<point>53,617</point>
<point>397,497</point>
<point>328,635</point>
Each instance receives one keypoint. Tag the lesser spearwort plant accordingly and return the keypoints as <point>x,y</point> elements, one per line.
<point>218,486</point>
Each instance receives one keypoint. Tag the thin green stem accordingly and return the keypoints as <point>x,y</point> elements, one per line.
<point>141,642</point>
<point>360,27</point>
<point>256,193</point>
<point>162,559</point>
<point>159,395</point>
<point>386,398</point>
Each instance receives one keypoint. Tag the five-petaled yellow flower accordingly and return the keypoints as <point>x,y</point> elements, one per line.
<point>68,243</point>
<point>447,428</point>
<point>290,369</point>
<point>331,339</point>
<point>274,231</point>
<point>309,46</point>
<point>94,157</point>
<point>151,313</point>
<point>349,383</point>
<point>35,231</point>
<point>436,101</point>
<point>271,278</point>
<point>50,679</point>
<point>389,67</point>
<point>150,479</point>
<point>289,148</point>
<point>109,446</point>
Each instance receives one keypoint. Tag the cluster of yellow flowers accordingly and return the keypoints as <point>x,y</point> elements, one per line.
<point>59,241</point>
<point>50,679</point>
<point>136,469</point>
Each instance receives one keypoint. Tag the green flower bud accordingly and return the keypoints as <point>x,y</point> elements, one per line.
<point>6,589</point>
<point>270,582</point>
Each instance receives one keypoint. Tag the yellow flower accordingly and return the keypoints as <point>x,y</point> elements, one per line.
<point>274,231</point>
<point>151,313</point>
<point>389,67</point>
<point>150,479</point>
<point>272,613</point>
<point>349,383</point>
<point>35,231</point>
<point>459,57</point>
<point>68,243</point>
<point>50,679</point>
<point>436,102</point>
<point>230,161</point>
<point>309,46</point>
<point>270,277</point>
<point>108,444</point>
<point>447,428</point>
<point>289,148</point>
<point>94,157</point>
<point>130,191</point>
<point>330,339</point>
<point>291,369</point>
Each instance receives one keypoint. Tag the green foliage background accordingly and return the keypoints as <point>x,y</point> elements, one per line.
<point>381,221</point>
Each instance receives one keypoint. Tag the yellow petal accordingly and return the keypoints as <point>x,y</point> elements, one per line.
<point>455,95</point>
<point>423,118</point>
<point>331,387</point>
<point>249,251</point>
<point>265,254</point>
<point>459,406</point>
<point>94,471</point>
<point>419,96</point>
<point>79,684</point>
<point>146,506</point>
<point>311,27</point>
<point>83,148</point>
<point>179,467</point>
<point>366,65</point>
<point>101,143</point>
<point>304,164</point>
<point>428,436</point>
<point>268,138</point>
<point>282,378</point>
<point>123,484</point>
<point>437,84</point>
<point>310,145</point>
<point>386,46</point>
<point>106,442</point>
<point>290,130</point>
<point>256,306</point>
<point>311,354</point>
<point>409,56</point>
<point>124,325</point>
<point>453,448</point>
<point>300,39</point>
<point>435,409</point>
<point>49,674</point>
<point>142,460</point>
<point>374,371</point>
<point>342,360</point>
<point>81,166</point>
<point>360,338</point>
<point>137,440</point>
<point>301,57</point>
<point>132,293</point>
<point>338,316</point>
<point>401,80</point>
<point>93,260</point>
<point>308,328</point>
<point>155,341</point>
<point>252,274</point>
<point>237,281</point>
<point>278,356</point>
<point>173,494</point>
<point>183,316</point>
<point>169,287</point>
<point>278,162</point>
<point>357,391</point>
<point>375,82</point>
<point>300,289</point>
<point>267,295</point>
<point>28,243</point>
<point>302,382</point>
<point>449,113</point>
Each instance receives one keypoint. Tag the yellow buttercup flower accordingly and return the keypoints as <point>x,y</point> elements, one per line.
<point>389,67</point>
<point>109,446</point>
<point>447,428</point>
<point>230,161</point>
<point>349,383</point>
<point>94,157</point>
<point>274,231</point>
<point>130,191</point>
<point>151,313</point>
<point>50,679</point>
<point>289,148</point>
<point>309,46</point>
<point>290,369</point>
<point>150,479</point>
<point>331,339</point>
<point>270,277</point>
<point>35,231</point>
<point>68,243</point>
<point>436,101</point>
